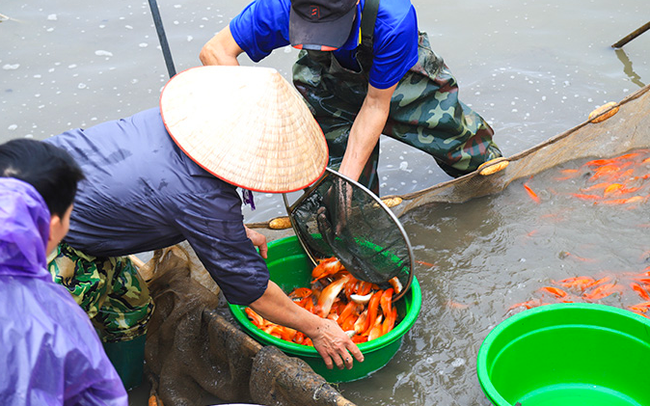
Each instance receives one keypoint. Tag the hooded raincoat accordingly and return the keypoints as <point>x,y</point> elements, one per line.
<point>49,352</point>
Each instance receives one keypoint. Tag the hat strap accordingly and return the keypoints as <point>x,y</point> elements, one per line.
<point>247,197</point>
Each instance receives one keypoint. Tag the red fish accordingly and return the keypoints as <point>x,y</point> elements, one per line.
<point>571,173</point>
<point>602,280</point>
<point>583,196</point>
<point>641,307</point>
<point>612,189</point>
<point>456,305</point>
<point>373,308</point>
<point>329,294</point>
<point>565,254</point>
<point>396,284</point>
<point>307,303</point>
<point>348,311</point>
<point>602,291</point>
<point>553,291</point>
<point>604,171</point>
<point>349,316</point>
<point>300,293</point>
<point>528,305</point>
<point>361,324</point>
<point>389,321</point>
<point>597,186</point>
<point>639,289</point>
<point>256,319</point>
<point>386,301</point>
<point>532,194</point>
<point>633,199</point>
<point>579,282</point>
<point>375,332</point>
<point>326,267</point>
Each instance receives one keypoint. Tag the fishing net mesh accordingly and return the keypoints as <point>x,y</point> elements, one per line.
<point>195,352</point>
<point>339,217</point>
<point>627,129</point>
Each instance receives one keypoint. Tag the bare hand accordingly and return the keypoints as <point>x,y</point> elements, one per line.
<point>259,240</point>
<point>334,346</point>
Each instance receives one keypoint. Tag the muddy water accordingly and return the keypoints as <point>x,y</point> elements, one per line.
<point>533,69</point>
<point>478,259</point>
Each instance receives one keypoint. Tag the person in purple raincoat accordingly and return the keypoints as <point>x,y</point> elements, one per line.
<point>49,352</point>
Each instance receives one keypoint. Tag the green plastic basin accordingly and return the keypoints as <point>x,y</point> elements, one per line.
<point>290,268</point>
<point>567,354</point>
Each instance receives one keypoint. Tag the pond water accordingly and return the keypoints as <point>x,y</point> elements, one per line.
<point>478,260</point>
<point>533,69</point>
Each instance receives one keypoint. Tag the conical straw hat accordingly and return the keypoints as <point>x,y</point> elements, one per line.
<point>245,125</point>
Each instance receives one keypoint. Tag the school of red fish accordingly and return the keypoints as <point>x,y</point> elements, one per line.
<point>589,290</point>
<point>622,180</point>
<point>362,309</point>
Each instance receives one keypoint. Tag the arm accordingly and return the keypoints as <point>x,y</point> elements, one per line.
<point>213,226</point>
<point>366,130</point>
<point>221,49</point>
<point>329,340</point>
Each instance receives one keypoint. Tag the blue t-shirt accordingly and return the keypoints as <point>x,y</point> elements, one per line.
<point>142,193</point>
<point>264,26</point>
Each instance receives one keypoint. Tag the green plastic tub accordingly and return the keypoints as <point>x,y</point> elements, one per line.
<point>567,354</point>
<point>290,268</point>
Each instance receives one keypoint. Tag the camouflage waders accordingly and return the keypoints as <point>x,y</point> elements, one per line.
<point>108,289</point>
<point>424,111</point>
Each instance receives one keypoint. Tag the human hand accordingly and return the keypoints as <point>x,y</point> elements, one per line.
<point>259,240</point>
<point>334,346</point>
<point>336,207</point>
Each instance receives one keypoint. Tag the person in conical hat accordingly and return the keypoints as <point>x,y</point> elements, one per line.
<point>365,70</point>
<point>172,173</point>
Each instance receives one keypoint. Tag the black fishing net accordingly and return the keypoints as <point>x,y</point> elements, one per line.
<point>339,217</point>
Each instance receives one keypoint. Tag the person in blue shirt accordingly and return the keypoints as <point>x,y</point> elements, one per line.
<point>364,69</point>
<point>169,174</point>
<point>50,353</point>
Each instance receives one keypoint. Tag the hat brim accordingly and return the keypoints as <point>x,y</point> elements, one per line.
<point>246,126</point>
<point>308,34</point>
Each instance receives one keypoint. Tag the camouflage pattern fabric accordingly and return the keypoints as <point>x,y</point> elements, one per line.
<point>108,289</point>
<point>424,112</point>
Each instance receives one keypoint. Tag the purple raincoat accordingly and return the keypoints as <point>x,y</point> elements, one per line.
<point>49,352</point>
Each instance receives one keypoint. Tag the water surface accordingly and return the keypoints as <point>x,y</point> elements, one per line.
<point>533,69</point>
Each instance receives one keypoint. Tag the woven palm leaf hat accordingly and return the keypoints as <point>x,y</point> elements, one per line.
<point>245,125</point>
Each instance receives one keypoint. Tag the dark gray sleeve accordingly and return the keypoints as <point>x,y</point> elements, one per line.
<point>213,225</point>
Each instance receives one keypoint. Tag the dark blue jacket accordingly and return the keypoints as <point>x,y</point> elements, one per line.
<point>143,193</point>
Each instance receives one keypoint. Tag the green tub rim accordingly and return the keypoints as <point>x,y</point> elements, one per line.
<point>482,359</point>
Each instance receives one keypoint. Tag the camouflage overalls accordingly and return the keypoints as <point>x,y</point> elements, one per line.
<point>108,289</point>
<point>424,110</point>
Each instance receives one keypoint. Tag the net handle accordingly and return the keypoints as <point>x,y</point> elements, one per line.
<point>290,208</point>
